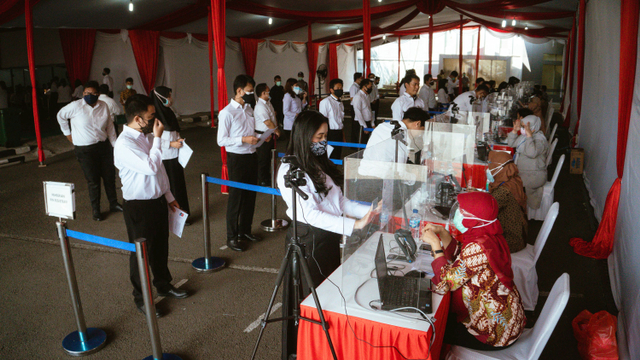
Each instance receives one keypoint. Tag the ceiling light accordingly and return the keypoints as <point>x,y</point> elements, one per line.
<point>130,5</point>
<point>526,28</point>
<point>379,0</point>
<point>429,16</point>
<point>513,22</point>
<point>504,23</point>
<point>384,37</point>
<point>338,31</point>
<point>270,21</point>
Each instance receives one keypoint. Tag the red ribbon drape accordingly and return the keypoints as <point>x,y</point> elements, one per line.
<point>28,16</point>
<point>218,22</point>
<point>581,43</point>
<point>146,48</point>
<point>366,44</point>
<point>312,59</point>
<point>602,244</point>
<point>77,47</point>
<point>478,55</point>
<point>249,49</point>
<point>460,58</point>
<point>333,61</point>
<point>211,84</point>
<point>572,54</point>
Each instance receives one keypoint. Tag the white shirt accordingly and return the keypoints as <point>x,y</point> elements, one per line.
<point>236,121</point>
<point>353,91</point>
<point>374,93</point>
<point>443,98</point>
<point>114,107</point>
<point>169,152</point>
<point>402,90</point>
<point>139,159</point>
<point>64,94</point>
<point>465,100</point>
<point>362,108</point>
<point>109,81</point>
<point>77,93</point>
<point>324,212</point>
<point>333,109</point>
<point>90,125</point>
<point>428,96</point>
<point>380,148</point>
<point>54,87</point>
<point>291,106</point>
<point>452,85</point>
<point>264,111</point>
<point>403,103</point>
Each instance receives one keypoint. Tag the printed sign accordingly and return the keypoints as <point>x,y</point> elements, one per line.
<point>60,199</point>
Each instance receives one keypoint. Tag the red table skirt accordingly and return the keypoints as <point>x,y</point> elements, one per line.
<point>477,174</point>
<point>409,343</point>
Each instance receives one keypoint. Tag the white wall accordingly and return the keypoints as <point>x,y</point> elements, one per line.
<point>286,64</point>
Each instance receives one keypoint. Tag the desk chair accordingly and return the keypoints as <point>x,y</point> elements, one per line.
<point>547,195</point>
<point>532,341</point>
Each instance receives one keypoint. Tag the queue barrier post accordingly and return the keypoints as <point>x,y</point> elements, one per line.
<point>207,263</point>
<point>149,306</point>
<point>273,224</point>
<point>85,341</point>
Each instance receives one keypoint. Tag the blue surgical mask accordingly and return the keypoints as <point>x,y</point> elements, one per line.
<point>319,148</point>
<point>90,99</point>
<point>490,176</point>
<point>297,90</point>
<point>129,87</point>
<point>457,221</point>
<point>278,83</point>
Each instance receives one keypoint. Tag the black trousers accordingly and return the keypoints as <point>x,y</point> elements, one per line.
<point>96,162</point>
<point>264,162</point>
<point>149,219</point>
<point>175,172</point>
<point>336,135</point>
<point>356,128</point>
<point>457,334</point>
<point>324,247</point>
<point>242,168</point>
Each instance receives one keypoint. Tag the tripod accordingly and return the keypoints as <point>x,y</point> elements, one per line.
<point>294,260</point>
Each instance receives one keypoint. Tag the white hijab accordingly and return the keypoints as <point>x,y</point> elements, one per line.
<point>534,124</point>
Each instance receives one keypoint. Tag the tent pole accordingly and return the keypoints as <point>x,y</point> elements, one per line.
<point>32,72</point>
<point>460,60</point>
<point>430,42</point>
<point>478,54</point>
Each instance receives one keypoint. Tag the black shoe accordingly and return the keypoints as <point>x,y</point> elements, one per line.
<point>116,208</point>
<point>159,313</point>
<point>174,293</point>
<point>187,223</point>
<point>235,244</point>
<point>97,216</point>
<point>250,237</point>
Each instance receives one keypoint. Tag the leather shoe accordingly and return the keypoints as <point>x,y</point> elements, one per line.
<point>116,208</point>
<point>97,216</point>
<point>235,244</point>
<point>250,237</point>
<point>142,309</point>
<point>174,293</point>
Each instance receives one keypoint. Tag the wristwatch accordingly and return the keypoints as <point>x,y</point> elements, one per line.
<point>438,252</point>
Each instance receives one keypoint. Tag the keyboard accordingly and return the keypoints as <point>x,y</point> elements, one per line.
<point>399,292</point>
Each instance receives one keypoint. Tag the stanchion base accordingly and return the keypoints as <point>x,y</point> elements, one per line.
<point>165,356</point>
<point>274,225</point>
<point>215,264</point>
<point>75,347</point>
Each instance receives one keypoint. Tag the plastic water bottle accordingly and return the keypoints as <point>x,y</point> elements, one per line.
<point>384,216</point>
<point>414,224</point>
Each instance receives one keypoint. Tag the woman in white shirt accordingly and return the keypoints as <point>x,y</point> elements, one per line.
<point>443,98</point>
<point>323,218</point>
<point>77,93</point>
<point>295,99</point>
<point>170,143</point>
<point>64,94</point>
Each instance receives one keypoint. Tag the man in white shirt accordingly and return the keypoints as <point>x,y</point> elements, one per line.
<point>147,195</point>
<point>93,137</point>
<point>114,107</point>
<point>427,94</point>
<point>107,79</point>
<point>355,87</point>
<point>236,132</point>
<point>374,97</point>
<point>362,112</point>
<point>453,84</point>
<point>380,149</point>
<point>409,99</point>
<point>333,109</point>
<point>265,117</point>
<point>465,101</point>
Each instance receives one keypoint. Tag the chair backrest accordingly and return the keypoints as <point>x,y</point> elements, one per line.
<point>549,115</point>
<point>549,316</point>
<point>552,148</point>
<point>545,230</point>
<point>557,172</point>
<point>553,132</point>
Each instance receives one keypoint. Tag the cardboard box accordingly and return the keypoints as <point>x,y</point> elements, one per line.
<point>577,161</point>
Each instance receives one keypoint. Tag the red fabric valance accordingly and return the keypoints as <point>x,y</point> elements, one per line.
<point>146,48</point>
<point>430,7</point>
<point>540,33</point>
<point>295,25</point>
<point>333,61</point>
<point>522,15</point>
<point>249,49</point>
<point>495,5</point>
<point>439,28</point>
<point>77,47</point>
<point>356,35</point>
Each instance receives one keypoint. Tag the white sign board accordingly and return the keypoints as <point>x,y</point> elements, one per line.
<point>60,199</point>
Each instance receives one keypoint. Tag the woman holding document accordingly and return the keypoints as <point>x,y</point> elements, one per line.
<point>171,143</point>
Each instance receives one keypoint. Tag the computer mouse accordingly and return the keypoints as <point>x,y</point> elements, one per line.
<point>415,274</point>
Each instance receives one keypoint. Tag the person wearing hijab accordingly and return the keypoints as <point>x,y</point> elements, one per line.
<point>486,309</point>
<point>531,156</point>
<point>506,187</point>
<point>171,142</point>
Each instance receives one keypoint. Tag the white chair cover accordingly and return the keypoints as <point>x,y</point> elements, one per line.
<point>523,263</point>
<point>553,133</point>
<point>552,148</point>
<point>549,115</point>
<point>532,341</point>
<point>547,195</point>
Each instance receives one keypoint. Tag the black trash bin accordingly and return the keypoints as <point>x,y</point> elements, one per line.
<point>10,127</point>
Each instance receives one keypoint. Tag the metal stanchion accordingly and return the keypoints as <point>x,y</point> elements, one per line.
<point>273,224</point>
<point>149,306</point>
<point>360,133</point>
<point>85,341</point>
<point>207,263</point>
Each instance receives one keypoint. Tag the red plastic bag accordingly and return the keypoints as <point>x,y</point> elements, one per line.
<point>596,335</point>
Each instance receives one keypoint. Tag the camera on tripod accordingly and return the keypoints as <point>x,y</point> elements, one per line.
<point>295,175</point>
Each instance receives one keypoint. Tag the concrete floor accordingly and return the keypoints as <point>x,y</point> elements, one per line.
<point>36,313</point>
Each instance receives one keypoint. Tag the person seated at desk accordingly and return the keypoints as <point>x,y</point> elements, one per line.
<point>322,218</point>
<point>531,156</point>
<point>486,309</point>
<point>505,185</point>
<point>465,100</point>
<point>379,149</point>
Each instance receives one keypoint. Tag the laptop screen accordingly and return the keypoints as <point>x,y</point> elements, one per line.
<point>381,264</point>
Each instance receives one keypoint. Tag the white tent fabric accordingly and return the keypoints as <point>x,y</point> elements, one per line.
<point>346,64</point>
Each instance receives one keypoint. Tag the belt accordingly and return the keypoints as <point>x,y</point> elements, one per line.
<point>259,132</point>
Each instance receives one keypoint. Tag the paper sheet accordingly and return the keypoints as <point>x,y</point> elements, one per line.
<point>176,221</point>
<point>184,154</point>
<point>262,138</point>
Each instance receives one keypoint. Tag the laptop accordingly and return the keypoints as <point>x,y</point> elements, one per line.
<point>398,291</point>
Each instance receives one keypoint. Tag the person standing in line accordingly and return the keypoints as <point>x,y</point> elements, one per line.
<point>465,82</point>
<point>77,92</point>
<point>427,94</point>
<point>107,79</point>
<point>128,92</point>
<point>114,108</point>
<point>303,84</point>
<point>355,87</point>
<point>374,97</point>
<point>333,109</point>
<point>265,116</point>
<point>409,99</point>
<point>148,198</point>
<point>277,94</point>
<point>452,85</point>
<point>362,112</point>
<point>64,94</point>
<point>236,132</point>
<point>292,104</point>
<point>171,142</point>
<point>93,136</point>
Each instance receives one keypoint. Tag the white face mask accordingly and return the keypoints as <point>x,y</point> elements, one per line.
<point>523,131</point>
<point>297,90</point>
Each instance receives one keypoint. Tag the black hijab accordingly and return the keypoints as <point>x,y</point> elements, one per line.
<point>166,116</point>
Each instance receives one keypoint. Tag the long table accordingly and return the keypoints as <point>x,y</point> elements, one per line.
<point>356,330</point>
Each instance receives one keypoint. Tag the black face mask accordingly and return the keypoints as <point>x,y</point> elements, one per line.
<point>368,90</point>
<point>338,93</point>
<point>249,99</point>
<point>148,129</point>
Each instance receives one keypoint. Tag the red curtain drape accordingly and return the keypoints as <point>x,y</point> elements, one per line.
<point>366,44</point>
<point>312,59</point>
<point>602,244</point>
<point>211,84</point>
<point>572,54</point>
<point>77,47</point>
<point>146,49</point>
<point>460,58</point>
<point>218,22</point>
<point>581,44</point>
<point>478,54</point>
<point>249,49</point>
<point>430,42</point>
<point>333,61</point>
<point>28,16</point>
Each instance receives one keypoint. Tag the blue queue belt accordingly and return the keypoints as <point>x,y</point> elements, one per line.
<point>102,241</point>
<point>337,162</point>
<point>243,186</point>
<point>351,145</point>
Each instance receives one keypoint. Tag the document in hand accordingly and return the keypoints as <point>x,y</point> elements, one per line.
<point>184,154</point>
<point>176,221</point>
<point>262,138</point>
